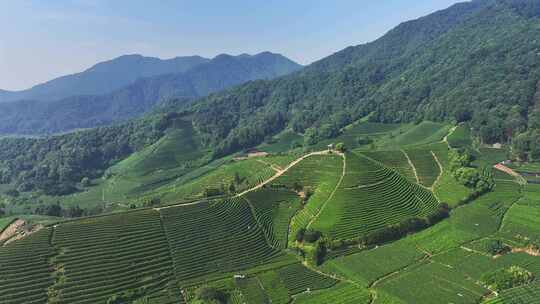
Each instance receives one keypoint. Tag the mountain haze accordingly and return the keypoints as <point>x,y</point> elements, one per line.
<point>476,61</point>
<point>86,111</point>
<point>104,77</point>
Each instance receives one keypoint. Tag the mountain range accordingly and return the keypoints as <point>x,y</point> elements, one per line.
<point>476,61</point>
<point>146,82</point>
<point>104,77</point>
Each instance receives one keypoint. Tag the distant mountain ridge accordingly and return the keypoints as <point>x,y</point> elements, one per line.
<point>33,117</point>
<point>104,77</point>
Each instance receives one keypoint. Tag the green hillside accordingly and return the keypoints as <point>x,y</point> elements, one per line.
<point>371,197</point>
<point>399,171</point>
<point>109,96</point>
<point>167,254</point>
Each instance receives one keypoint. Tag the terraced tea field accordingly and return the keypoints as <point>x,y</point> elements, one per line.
<point>352,134</point>
<point>422,134</point>
<point>367,266</point>
<point>297,279</point>
<point>250,172</point>
<point>529,294</point>
<point>372,197</point>
<point>165,255</point>
<point>274,210</point>
<point>394,159</point>
<point>216,238</point>
<point>25,271</point>
<point>318,173</point>
<point>279,286</point>
<point>105,256</point>
<point>440,284</point>
<point>523,218</point>
<point>425,164</point>
<point>343,293</point>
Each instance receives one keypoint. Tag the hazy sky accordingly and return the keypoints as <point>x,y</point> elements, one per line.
<point>44,39</point>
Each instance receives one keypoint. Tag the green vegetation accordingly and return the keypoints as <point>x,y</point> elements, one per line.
<point>285,141</point>
<point>369,265</point>
<point>522,222</point>
<point>274,210</point>
<point>437,68</point>
<point>425,164</point>
<point>5,221</point>
<point>507,278</point>
<point>372,197</point>
<point>229,232</point>
<point>243,174</point>
<point>399,217</point>
<point>252,291</point>
<point>26,274</point>
<point>363,134</point>
<point>424,133</point>
<point>56,165</point>
<point>460,137</point>
<point>438,284</point>
<point>297,279</point>
<point>395,159</point>
<point>106,258</point>
<point>201,246</point>
<point>343,293</point>
<point>524,294</point>
<point>209,295</point>
<point>318,175</point>
<point>165,88</point>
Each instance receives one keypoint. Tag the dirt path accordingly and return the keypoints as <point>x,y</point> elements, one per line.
<point>366,185</point>
<point>18,230</point>
<point>520,179</point>
<point>11,230</point>
<point>445,139</point>
<point>179,205</point>
<point>332,276</point>
<point>399,271</point>
<point>412,166</point>
<point>272,166</point>
<point>260,185</point>
<point>331,194</point>
<point>441,169</point>
<point>474,251</point>
<point>281,172</point>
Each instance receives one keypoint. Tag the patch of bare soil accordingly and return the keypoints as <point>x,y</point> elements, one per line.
<point>533,251</point>
<point>11,230</point>
<point>18,230</point>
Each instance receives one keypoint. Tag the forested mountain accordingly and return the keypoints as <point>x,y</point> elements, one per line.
<point>104,77</point>
<point>476,61</point>
<point>56,164</point>
<point>86,111</point>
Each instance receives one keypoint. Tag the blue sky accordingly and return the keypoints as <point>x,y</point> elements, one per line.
<point>44,39</point>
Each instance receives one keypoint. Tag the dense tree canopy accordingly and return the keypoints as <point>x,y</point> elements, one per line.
<point>55,165</point>
<point>477,61</point>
